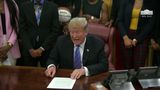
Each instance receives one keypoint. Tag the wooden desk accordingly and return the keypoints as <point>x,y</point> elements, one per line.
<point>31,78</point>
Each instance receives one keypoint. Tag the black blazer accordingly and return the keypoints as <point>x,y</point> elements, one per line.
<point>156,33</point>
<point>145,23</point>
<point>47,30</point>
<point>93,57</point>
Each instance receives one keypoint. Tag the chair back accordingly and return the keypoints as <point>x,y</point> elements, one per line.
<point>108,36</point>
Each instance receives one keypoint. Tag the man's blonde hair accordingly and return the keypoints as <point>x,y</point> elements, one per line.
<point>78,22</point>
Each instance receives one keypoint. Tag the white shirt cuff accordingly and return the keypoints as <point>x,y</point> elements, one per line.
<point>51,65</point>
<point>42,48</point>
<point>86,71</point>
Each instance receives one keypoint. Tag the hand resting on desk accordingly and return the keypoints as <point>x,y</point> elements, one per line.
<point>76,74</point>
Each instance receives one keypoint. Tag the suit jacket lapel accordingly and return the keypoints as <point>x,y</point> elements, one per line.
<point>70,49</point>
<point>32,13</point>
<point>44,10</point>
<point>87,49</point>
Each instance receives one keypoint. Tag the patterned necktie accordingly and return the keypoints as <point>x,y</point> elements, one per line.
<point>38,14</point>
<point>77,58</point>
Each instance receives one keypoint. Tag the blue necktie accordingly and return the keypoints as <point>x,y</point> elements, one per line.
<point>77,58</point>
<point>38,14</point>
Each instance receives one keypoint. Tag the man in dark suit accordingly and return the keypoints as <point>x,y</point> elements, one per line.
<point>155,40</point>
<point>91,59</point>
<point>38,30</point>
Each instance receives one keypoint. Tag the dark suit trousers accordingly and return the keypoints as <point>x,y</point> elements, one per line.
<point>28,60</point>
<point>156,58</point>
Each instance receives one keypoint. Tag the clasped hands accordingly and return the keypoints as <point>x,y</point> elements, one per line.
<point>76,74</point>
<point>3,52</point>
<point>36,52</point>
<point>155,45</point>
<point>129,42</point>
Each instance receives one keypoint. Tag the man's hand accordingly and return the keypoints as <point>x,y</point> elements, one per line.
<point>39,52</point>
<point>36,52</point>
<point>33,53</point>
<point>50,72</point>
<point>155,45</point>
<point>77,73</point>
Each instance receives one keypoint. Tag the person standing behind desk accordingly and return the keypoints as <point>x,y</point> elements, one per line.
<point>72,5</point>
<point>39,29</point>
<point>9,48</point>
<point>155,40</point>
<point>94,11</point>
<point>135,22</point>
<point>91,59</point>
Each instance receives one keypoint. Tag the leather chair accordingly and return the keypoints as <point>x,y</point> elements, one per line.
<point>108,36</point>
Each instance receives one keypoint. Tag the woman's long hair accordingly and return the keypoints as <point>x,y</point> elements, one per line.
<point>13,14</point>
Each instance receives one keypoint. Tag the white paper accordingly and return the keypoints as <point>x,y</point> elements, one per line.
<point>61,83</point>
